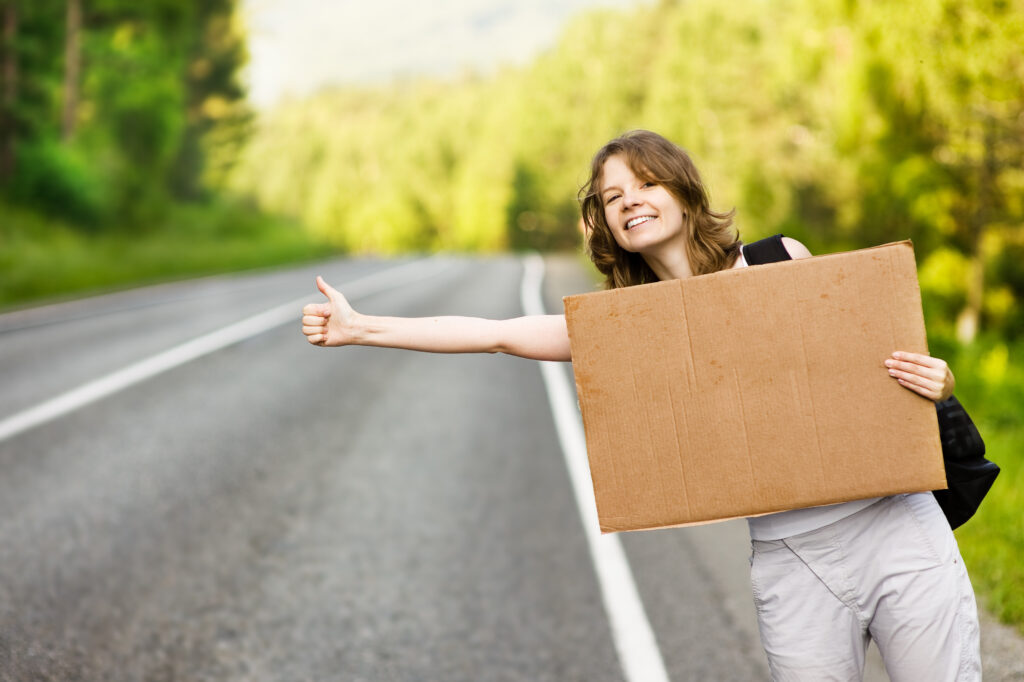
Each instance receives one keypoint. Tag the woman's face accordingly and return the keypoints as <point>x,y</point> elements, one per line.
<point>643,216</point>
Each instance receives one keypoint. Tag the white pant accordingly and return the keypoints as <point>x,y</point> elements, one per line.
<point>891,572</point>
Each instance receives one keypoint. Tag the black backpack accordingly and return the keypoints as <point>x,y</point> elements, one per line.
<point>968,474</point>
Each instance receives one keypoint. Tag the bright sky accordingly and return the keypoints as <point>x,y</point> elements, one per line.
<point>298,46</point>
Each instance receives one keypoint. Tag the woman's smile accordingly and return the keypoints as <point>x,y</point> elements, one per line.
<point>639,220</point>
<point>643,215</point>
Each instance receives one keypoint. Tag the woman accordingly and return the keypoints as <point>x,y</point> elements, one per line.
<point>826,580</point>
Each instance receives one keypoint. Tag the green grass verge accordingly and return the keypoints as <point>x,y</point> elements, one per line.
<point>990,384</point>
<point>992,543</point>
<point>41,259</point>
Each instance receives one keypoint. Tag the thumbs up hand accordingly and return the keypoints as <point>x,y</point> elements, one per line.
<point>330,323</point>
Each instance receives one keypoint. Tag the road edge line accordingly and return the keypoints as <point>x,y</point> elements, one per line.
<point>632,633</point>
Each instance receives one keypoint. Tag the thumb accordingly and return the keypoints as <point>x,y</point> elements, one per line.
<point>327,290</point>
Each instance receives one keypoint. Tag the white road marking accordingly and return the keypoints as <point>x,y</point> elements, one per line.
<point>634,638</point>
<point>144,369</point>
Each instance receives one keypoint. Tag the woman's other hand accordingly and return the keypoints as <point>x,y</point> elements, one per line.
<point>328,324</point>
<point>923,374</point>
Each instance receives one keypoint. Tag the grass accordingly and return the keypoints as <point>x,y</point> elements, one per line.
<point>42,259</point>
<point>990,384</point>
<point>993,541</point>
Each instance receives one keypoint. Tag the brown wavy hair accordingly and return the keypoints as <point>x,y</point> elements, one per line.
<point>713,243</point>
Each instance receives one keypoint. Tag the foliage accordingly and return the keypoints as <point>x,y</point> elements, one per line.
<point>43,258</point>
<point>111,120</point>
<point>60,180</point>
<point>841,124</point>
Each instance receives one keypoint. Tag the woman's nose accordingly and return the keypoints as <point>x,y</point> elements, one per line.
<point>630,198</point>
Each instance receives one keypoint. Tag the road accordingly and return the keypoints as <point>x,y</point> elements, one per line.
<point>268,510</point>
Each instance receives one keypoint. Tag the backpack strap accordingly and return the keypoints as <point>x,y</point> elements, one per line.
<point>768,250</point>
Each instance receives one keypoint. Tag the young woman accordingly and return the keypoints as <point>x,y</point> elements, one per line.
<point>826,580</point>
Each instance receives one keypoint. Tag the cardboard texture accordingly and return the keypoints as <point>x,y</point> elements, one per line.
<point>753,390</point>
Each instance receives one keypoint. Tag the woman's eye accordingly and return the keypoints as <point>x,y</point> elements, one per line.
<point>649,184</point>
<point>610,199</point>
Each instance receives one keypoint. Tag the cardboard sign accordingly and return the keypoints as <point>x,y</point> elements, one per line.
<point>753,390</point>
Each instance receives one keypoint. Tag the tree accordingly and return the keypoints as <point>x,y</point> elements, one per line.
<point>214,97</point>
<point>939,139</point>
<point>8,93</point>
<point>72,68</point>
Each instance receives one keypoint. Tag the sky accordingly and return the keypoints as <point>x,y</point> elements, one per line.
<point>299,46</point>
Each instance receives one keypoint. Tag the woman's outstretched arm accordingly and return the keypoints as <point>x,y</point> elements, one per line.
<point>335,323</point>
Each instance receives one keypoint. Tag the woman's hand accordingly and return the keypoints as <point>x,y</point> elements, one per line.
<point>335,323</point>
<point>328,324</point>
<point>923,374</point>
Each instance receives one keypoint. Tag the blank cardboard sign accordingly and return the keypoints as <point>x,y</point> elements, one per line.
<point>753,390</point>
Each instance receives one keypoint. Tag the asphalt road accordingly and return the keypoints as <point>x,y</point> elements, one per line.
<point>274,511</point>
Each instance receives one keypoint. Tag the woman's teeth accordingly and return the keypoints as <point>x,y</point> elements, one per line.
<point>637,221</point>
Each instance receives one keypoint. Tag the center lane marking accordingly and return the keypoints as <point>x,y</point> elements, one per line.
<point>134,373</point>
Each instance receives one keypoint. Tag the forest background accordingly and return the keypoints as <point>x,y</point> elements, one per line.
<point>129,154</point>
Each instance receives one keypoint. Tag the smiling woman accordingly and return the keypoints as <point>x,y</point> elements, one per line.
<point>826,580</point>
<point>643,174</point>
<point>643,217</point>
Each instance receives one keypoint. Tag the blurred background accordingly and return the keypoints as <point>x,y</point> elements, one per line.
<point>145,141</point>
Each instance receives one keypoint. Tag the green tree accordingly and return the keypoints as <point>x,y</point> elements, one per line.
<point>938,142</point>
<point>107,105</point>
<point>842,124</point>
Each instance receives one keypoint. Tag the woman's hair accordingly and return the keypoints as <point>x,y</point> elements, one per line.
<point>712,243</point>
